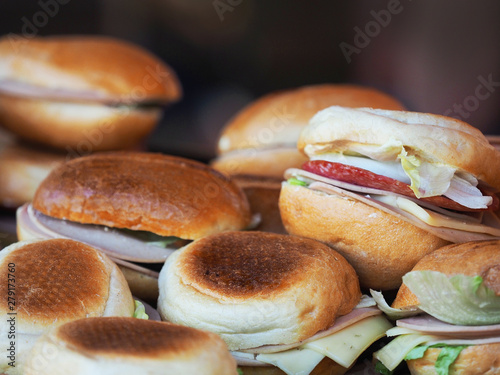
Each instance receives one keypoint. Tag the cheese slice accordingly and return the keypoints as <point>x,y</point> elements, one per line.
<point>343,347</point>
<point>298,361</point>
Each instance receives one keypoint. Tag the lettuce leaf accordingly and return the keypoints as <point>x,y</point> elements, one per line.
<point>459,299</point>
<point>427,179</point>
<point>381,369</point>
<point>296,182</point>
<point>446,357</point>
<point>140,311</point>
<point>392,313</point>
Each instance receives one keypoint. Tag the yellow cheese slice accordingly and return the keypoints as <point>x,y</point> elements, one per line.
<point>345,346</point>
<point>433,218</point>
<point>297,361</point>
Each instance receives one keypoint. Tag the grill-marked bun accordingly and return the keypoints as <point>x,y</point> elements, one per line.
<point>57,281</point>
<point>369,238</point>
<point>54,91</point>
<point>256,288</point>
<point>261,139</point>
<point>129,346</point>
<point>167,195</point>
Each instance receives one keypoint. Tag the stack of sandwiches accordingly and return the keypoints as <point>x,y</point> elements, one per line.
<point>260,262</point>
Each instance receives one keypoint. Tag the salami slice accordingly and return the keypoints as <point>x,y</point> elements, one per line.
<point>362,177</point>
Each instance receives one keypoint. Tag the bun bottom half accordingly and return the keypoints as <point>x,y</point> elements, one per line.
<point>380,247</point>
<point>77,128</point>
<point>473,360</point>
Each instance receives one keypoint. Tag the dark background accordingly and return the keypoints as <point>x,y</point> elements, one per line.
<point>431,54</point>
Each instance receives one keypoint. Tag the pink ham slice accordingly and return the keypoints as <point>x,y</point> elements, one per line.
<point>342,322</point>
<point>430,325</point>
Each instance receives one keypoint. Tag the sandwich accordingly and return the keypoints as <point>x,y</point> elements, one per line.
<point>448,312</point>
<point>385,188</point>
<point>118,345</point>
<point>261,139</point>
<point>23,167</point>
<point>51,282</point>
<point>138,208</point>
<point>82,93</point>
<point>276,300</point>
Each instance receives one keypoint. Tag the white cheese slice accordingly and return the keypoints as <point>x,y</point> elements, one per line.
<point>298,361</point>
<point>345,346</point>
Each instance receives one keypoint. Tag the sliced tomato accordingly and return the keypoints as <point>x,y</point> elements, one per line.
<point>362,177</point>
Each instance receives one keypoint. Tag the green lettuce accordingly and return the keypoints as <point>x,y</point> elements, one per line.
<point>296,182</point>
<point>446,357</point>
<point>140,311</point>
<point>458,299</point>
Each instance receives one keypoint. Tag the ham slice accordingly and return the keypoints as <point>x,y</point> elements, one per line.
<point>432,326</point>
<point>110,241</point>
<point>342,322</point>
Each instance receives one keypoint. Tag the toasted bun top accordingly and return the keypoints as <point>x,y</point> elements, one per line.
<point>163,194</point>
<point>478,258</point>
<point>57,281</point>
<point>433,138</point>
<point>278,118</point>
<point>129,346</point>
<point>112,68</point>
<point>219,282</point>
<point>134,337</point>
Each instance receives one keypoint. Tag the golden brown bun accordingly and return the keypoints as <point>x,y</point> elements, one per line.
<point>268,162</point>
<point>62,280</point>
<point>76,128</point>
<point>256,288</point>
<point>325,367</point>
<point>279,117</point>
<point>432,137</point>
<point>110,67</point>
<point>129,346</point>
<point>167,195</point>
<point>141,285</point>
<point>56,281</point>
<point>263,195</point>
<point>380,247</point>
<point>473,360</point>
<point>469,258</point>
<point>23,167</point>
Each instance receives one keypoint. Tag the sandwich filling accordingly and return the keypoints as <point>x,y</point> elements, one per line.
<point>455,312</point>
<point>343,343</point>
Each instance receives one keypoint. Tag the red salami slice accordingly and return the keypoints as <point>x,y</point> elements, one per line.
<point>362,177</point>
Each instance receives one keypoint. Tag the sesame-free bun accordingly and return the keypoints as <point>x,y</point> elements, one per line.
<point>271,125</point>
<point>475,359</point>
<point>263,195</point>
<point>433,138</point>
<point>129,346</point>
<point>380,246</point>
<point>256,288</point>
<point>57,281</point>
<point>23,167</point>
<point>166,195</point>
<point>477,258</point>
<point>54,91</point>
